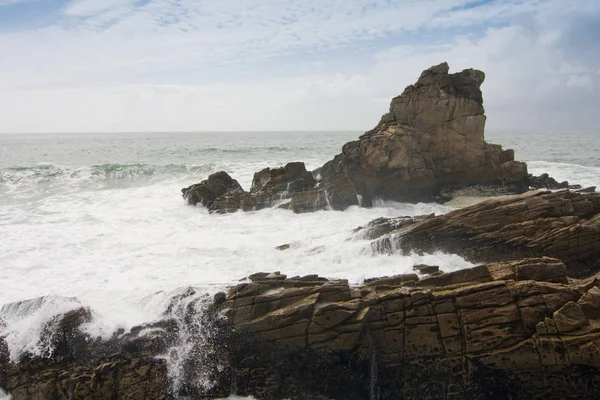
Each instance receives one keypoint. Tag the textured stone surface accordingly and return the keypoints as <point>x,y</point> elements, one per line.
<point>271,186</point>
<point>489,332</point>
<point>500,330</point>
<point>211,190</point>
<point>130,365</point>
<point>428,146</point>
<point>564,225</point>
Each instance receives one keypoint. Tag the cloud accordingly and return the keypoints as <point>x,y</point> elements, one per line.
<point>252,65</point>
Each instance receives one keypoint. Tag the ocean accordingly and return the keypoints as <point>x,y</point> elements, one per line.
<point>98,220</point>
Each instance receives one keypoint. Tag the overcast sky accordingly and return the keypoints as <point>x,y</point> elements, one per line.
<point>192,65</point>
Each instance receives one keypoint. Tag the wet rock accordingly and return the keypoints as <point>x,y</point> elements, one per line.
<point>490,329</point>
<point>564,225</point>
<point>544,181</point>
<point>589,189</point>
<point>270,186</point>
<point>62,336</point>
<point>426,269</point>
<point>395,280</point>
<point>283,246</point>
<point>209,190</point>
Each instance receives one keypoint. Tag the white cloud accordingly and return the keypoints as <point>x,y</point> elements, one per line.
<point>164,66</point>
<point>87,8</point>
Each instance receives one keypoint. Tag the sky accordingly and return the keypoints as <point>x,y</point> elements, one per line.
<point>248,65</point>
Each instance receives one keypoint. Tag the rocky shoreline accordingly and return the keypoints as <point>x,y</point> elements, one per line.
<point>525,323</point>
<point>519,326</point>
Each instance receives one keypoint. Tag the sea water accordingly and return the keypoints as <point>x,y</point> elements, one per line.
<point>98,220</point>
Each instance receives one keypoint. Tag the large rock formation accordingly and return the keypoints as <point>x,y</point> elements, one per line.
<point>429,146</point>
<point>564,224</point>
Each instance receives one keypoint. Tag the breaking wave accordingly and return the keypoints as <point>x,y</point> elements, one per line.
<point>39,180</point>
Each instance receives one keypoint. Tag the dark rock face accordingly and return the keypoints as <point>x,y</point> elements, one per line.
<point>79,367</point>
<point>218,192</point>
<point>546,182</point>
<point>429,145</point>
<point>271,186</point>
<point>222,194</point>
<point>129,365</point>
<point>564,225</point>
<point>503,330</point>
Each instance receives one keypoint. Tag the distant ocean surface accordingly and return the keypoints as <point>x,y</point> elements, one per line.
<point>98,220</point>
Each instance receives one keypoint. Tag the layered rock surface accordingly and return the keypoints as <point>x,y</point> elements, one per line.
<point>518,329</point>
<point>429,145</point>
<point>564,225</point>
<point>503,330</point>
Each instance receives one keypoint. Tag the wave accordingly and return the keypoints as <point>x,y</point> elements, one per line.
<point>574,173</point>
<point>46,173</point>
<point>246,150</point>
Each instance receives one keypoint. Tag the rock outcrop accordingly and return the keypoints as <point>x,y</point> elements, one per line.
<point>564,225</point>
<point>429,147</point>
<point>502,330</point>
<point>518,329</point>
<point>270,187</point>
<point>148,362</point>
<point>219,193</point>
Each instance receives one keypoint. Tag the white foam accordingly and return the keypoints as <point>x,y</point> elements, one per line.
<point>575,174</point>
<point>125,251</point>
<point>7,396</point>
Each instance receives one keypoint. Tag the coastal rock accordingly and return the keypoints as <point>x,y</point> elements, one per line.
<point>209,190</point>
<point>429,146</point>
<point>273,185</point>
<point>149,361</point>
<point>77,366</point>
<point>518,329</point>
<point>564,225</point>
<point>494,331</point>
<point>546,182</point>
